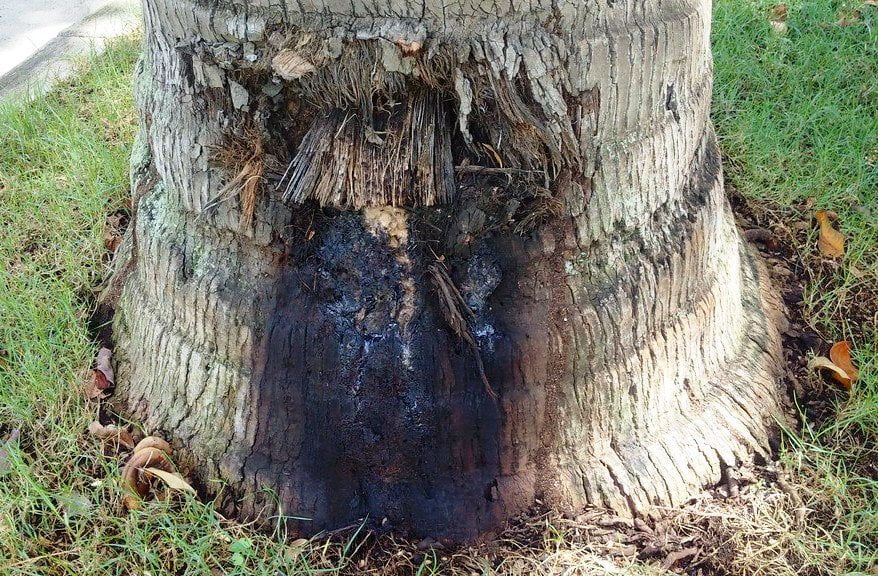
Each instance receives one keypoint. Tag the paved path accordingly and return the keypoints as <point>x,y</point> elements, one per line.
<point>39,38</point>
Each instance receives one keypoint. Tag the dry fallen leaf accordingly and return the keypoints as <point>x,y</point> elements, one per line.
<point>96,386</point>
<point>778,18</point>
<point>840,354</point>
<point>830,241</point>
<point>102,376</point>
<point>173,480</point>
<point>102,364</point>
<point>848,17</point>
<point>132,474</point>
<point>113,433</point>
<point>150,459</point>
<point>838,374</point>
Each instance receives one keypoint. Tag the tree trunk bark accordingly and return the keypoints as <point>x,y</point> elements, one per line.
<point>430,263</point>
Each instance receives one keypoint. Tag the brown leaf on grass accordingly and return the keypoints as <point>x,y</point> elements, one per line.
<point>133,478</point>
<point>840,354</point>
<point>172,479</point>
<point>111,432</point>
<point>95,387</point>
<point>838,374</point>
<point>150,460</point>
<point>848,17</point>
<point>778,12</point>
<point>830,241</point>
<point>100,380</point>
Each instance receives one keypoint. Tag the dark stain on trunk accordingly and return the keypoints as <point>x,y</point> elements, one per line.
<point>368,404</point>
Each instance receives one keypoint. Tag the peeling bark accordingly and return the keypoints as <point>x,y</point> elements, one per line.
<point>553,165</point>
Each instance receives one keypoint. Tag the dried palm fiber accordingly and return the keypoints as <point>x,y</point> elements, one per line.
<point>459,315</point>
<point>243,155</point>
<point>387,116</point>
<point>343,161</point>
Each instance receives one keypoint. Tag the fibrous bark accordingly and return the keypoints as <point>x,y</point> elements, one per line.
<point>433,262</point>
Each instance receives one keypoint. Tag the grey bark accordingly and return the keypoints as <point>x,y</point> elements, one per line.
<point>553,162</point>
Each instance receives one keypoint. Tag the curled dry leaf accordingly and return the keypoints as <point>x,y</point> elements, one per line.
<point>150,460</point>
<point>173,480</point>
<point>153,442</point>
<point>830,241</point>
<point>102,377</point>
<point>133,476</point>
<point>838,374</point>
<point>840,354</point>
<point>111,432</point>
<point>92,392</point>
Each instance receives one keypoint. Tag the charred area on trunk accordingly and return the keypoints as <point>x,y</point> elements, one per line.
<point>388,403</point>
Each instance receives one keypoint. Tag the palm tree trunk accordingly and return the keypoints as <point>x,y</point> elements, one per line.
<point>432,263</point>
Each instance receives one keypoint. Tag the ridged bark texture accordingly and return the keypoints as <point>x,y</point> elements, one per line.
<point>560,236</point>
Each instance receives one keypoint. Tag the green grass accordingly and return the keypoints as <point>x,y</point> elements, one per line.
<point>797,116</point>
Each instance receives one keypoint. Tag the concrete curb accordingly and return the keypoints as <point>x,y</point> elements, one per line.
<point>56,60</point>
